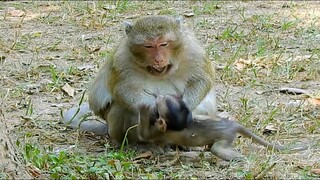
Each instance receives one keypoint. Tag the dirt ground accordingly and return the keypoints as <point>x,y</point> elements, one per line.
<point>50,51</point>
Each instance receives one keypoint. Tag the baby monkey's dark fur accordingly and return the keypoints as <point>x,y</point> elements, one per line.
<point>218,133</point>
<point>169,106</point>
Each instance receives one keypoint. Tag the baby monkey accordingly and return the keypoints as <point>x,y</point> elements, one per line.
<point>219,134</point>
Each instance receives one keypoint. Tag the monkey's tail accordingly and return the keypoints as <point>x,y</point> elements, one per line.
<point>259,140</point>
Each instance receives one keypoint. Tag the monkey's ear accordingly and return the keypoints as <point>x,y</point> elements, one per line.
<point>128,26</point>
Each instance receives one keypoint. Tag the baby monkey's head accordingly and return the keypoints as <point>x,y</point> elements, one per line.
<point>174,111</point>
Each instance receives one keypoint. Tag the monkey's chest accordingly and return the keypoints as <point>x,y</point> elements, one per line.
<point>163,87</point>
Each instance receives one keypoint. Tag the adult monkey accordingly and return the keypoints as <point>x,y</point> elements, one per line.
<point>158,54</point>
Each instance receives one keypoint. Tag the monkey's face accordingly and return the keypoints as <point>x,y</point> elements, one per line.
<point>155,42</point>
<point>156,56</point>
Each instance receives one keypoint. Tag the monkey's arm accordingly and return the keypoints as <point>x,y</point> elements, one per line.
<point>200,94</point>
<point>99,99</point>
<point>145,131</point>
<point>99,93</point>
<point>129,92</point>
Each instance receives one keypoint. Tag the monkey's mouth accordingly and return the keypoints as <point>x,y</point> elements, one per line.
<point>158,70</point>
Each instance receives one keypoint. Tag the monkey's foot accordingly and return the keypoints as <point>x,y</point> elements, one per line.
<point>82,117</point>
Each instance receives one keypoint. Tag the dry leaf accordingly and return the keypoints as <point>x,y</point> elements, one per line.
<point>241,64</point>
<point>15,12</point>
<point>16,15</point>
<point>109,7</point>
<point>189,14</point>
<point>315,171</point>
<point>293,91</point>
<point>116,163</point>
<point>260,92</point>
<point>68,89</point>
<point>299,58</point>
<point>50,8</point>
<point>31,16</point>
<point>85,67</point>
<point>269,129</point>
<point>56,105</point>
<point>36,34</point>
<point>145,155</point>
<point>35,172</point>
<point>314,101</point>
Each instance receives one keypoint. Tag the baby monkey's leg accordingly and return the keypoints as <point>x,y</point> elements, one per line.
<point>224,150</point>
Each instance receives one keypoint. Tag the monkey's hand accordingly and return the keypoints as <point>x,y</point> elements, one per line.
<point>161,124</point>
<point>144,122</point>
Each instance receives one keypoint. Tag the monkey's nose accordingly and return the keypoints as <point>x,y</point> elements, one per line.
<point>158,60</point>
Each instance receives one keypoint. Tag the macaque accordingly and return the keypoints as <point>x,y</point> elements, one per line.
<point>201,130</point>
<point>158,54</point>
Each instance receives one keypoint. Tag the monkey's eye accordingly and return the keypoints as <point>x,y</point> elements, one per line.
<point>148,46</point>
<point>164,44</point>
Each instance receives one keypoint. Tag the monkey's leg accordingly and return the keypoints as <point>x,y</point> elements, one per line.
<point>119,121</point>
<point>224,150</point>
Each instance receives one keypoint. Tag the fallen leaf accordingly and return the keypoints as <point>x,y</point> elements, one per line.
<point>269,129</point>
<point>56,105</point>
<point>15,12</point>
<point>299,58</point>
<point>85,67</point>
<point>314,101</point>
<point>315,171</point>
<point>50,8</point>
<point>292,91</point>
<point>109,7</point>
<point>68,89</point>
<point>35,172</point>
<point>145,155</point>
<point>259,92</point>
<point>241,64</point>
<point>116,163</point>
<point>93,49</point>
<point>31,16</point>
<point>295,103</point>
<point>16,15</point>
<point>36,34</point>
<point>189,14</point>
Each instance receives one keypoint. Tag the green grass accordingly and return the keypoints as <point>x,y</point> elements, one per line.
<point>73,165</point>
